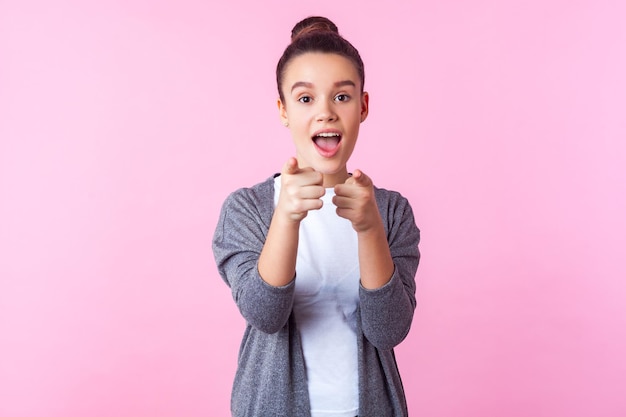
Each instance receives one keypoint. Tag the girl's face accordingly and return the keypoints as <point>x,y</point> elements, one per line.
<point>323,108</point>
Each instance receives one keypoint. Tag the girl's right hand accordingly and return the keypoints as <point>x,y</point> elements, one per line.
<point>301,190</point>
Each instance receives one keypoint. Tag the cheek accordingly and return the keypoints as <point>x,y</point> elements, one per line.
<point>353,112</point>
<point>300,132</point>
<point>295,117</point>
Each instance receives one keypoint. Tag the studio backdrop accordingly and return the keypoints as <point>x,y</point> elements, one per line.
<point>125,124</point>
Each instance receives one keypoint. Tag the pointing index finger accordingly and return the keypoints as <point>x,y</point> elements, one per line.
<point>291,166</point>
<point>360,178</point>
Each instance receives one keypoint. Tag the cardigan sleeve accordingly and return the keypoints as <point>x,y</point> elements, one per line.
<point>237,243</point>
<point>387,312</point>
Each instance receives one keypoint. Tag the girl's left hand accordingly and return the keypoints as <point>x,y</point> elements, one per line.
<point>355,201</point>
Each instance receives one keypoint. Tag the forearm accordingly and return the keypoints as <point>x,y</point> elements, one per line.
<point>386,307</point>
<point>375,262</point>
<point>387,312</point>
<point>277,262</point>
<point>238,241</point>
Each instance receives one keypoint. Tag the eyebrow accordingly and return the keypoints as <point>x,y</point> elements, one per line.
<point>310,85</point>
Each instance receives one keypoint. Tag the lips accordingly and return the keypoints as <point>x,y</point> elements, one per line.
<point>327,142</point>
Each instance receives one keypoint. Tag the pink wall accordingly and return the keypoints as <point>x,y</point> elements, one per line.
<point>124,124</point>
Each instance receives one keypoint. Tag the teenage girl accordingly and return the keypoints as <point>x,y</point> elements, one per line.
<point>321,263</point>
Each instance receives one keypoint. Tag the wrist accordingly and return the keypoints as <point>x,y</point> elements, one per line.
<point>373,225</point>
<point>371,231</point>
<point>285,219</point>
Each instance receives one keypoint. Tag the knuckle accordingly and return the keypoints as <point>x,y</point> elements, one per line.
<point>297,206</point>
<point>292,191</point>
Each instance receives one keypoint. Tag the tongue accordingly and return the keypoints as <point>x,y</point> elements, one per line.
<point>327,144</point>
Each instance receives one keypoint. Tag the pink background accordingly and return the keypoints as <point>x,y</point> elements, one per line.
<point>124,125</point>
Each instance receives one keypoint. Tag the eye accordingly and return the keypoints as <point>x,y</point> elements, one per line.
<point>342,97</point>
<point>305,99</point>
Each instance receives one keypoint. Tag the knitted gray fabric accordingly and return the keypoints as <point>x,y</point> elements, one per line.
<point>271,376</point>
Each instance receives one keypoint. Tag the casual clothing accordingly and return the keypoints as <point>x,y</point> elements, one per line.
<point>325,303</point>
<point>271,377</point>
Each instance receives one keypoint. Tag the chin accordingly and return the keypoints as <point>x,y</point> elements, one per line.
<point>328,168</point>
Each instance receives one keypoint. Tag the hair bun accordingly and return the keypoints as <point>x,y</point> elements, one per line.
<point>313,24</point>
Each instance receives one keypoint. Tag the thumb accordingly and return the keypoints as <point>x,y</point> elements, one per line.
<point>291,167</point>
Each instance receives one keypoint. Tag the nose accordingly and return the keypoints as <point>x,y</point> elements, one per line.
<point>325,112</point>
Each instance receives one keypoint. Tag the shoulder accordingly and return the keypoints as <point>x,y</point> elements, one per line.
<point>247,210</point>
<point>388,200</point>
<point>396,211</point>
<point>259,195</point>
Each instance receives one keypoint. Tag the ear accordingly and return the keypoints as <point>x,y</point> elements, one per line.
<point>365,105</point>
<point>282,112</point>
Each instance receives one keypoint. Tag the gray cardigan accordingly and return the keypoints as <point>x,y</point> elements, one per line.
<point>271,377</point>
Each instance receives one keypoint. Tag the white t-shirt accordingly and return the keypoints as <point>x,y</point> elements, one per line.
<point>326,299</point>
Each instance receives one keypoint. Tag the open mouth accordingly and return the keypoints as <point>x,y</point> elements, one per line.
<point>327,143</point>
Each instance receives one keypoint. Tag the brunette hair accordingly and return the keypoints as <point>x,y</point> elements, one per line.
<point>317,34</point>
